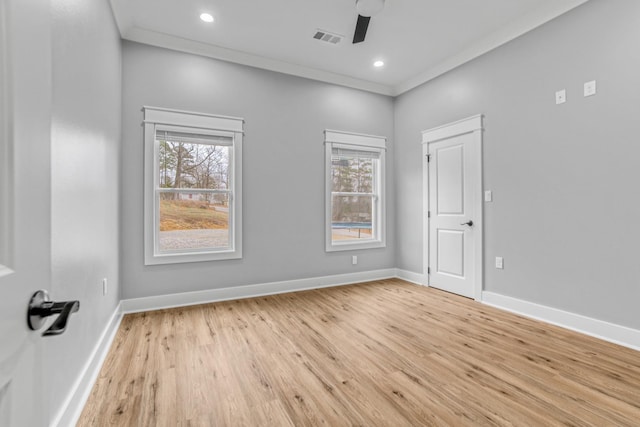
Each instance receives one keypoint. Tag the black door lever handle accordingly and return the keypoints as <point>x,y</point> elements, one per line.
<point>41,307</point>
<point>64,309</point>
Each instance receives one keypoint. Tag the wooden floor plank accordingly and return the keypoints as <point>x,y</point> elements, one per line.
<point>383,353</point>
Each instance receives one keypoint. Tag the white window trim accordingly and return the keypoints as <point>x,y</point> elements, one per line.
<point>196,123</point>
<point>341,139</point>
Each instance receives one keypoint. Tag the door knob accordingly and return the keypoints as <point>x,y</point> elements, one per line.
<point>41,307</point>
<point>469,223</point>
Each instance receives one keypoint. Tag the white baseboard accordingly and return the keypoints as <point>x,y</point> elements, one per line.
<point>410,276</point>
<point>611,332</point>
<point>134,305</point>
<point>73,405</point>
<point>72,408</point>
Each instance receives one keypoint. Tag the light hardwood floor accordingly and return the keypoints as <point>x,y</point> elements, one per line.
<point>384,353</point>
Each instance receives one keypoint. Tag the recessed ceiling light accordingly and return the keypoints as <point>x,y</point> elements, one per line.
<point>378,64</point>
<point>206,17</point>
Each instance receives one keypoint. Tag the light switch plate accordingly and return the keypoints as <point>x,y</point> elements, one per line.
<point>561,96</point>
<point>499,262</point>
<point>590,88</point>
<point>488,196</point>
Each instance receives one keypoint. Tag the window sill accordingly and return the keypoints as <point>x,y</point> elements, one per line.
<point>353,246</point>
<point>191,257</point>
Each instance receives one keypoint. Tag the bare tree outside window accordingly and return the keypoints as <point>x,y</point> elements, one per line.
<point>199,218</point>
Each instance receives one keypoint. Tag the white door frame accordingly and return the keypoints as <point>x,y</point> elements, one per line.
<point>474,126</point>
<point>6,171</point>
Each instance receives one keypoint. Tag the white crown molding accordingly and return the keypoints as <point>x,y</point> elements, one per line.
<point>124,21</point>
<point>494,40</point>
<point>204,49</point>
<point>129,31</point>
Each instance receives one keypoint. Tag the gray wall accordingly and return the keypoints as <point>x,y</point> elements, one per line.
<point>85,155</point>
<point>565,178</point>
<point>283,168</point>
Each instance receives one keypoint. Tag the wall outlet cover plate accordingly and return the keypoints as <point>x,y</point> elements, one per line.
<point>590,88</point>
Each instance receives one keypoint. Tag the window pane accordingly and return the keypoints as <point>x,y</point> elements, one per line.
<point>188,165</point>
<point>351,217</point>
<point>352,174</point>
<point>191,221</point>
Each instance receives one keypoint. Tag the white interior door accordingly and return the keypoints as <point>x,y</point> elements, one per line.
<point>454,222</point>
<point>25,214</point>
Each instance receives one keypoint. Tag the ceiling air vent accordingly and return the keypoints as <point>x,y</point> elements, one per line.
<point>325,36</point>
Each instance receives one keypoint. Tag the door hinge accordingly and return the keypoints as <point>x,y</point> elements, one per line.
<point>428,158</point>
<point>428,270</point>
<point>428,214</point>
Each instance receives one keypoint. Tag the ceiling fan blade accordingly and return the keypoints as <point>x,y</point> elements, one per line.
<point>361,28</point>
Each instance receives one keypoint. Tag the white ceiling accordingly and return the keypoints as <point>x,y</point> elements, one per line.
<point>417,39</point>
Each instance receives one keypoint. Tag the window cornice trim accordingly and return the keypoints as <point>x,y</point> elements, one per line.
<point>180,118</point>
<point>358,139</point>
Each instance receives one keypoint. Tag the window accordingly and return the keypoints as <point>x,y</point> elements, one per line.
<point>355,205</point>
<point>193,186</point>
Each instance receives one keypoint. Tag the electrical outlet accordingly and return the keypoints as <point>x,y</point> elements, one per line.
<point>590,88</point>
<point>104,286</point>
<point>354,259</point>
<point>499,262</point>
<point>561,96</point>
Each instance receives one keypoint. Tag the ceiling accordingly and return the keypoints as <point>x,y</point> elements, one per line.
<point>417,39</point>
